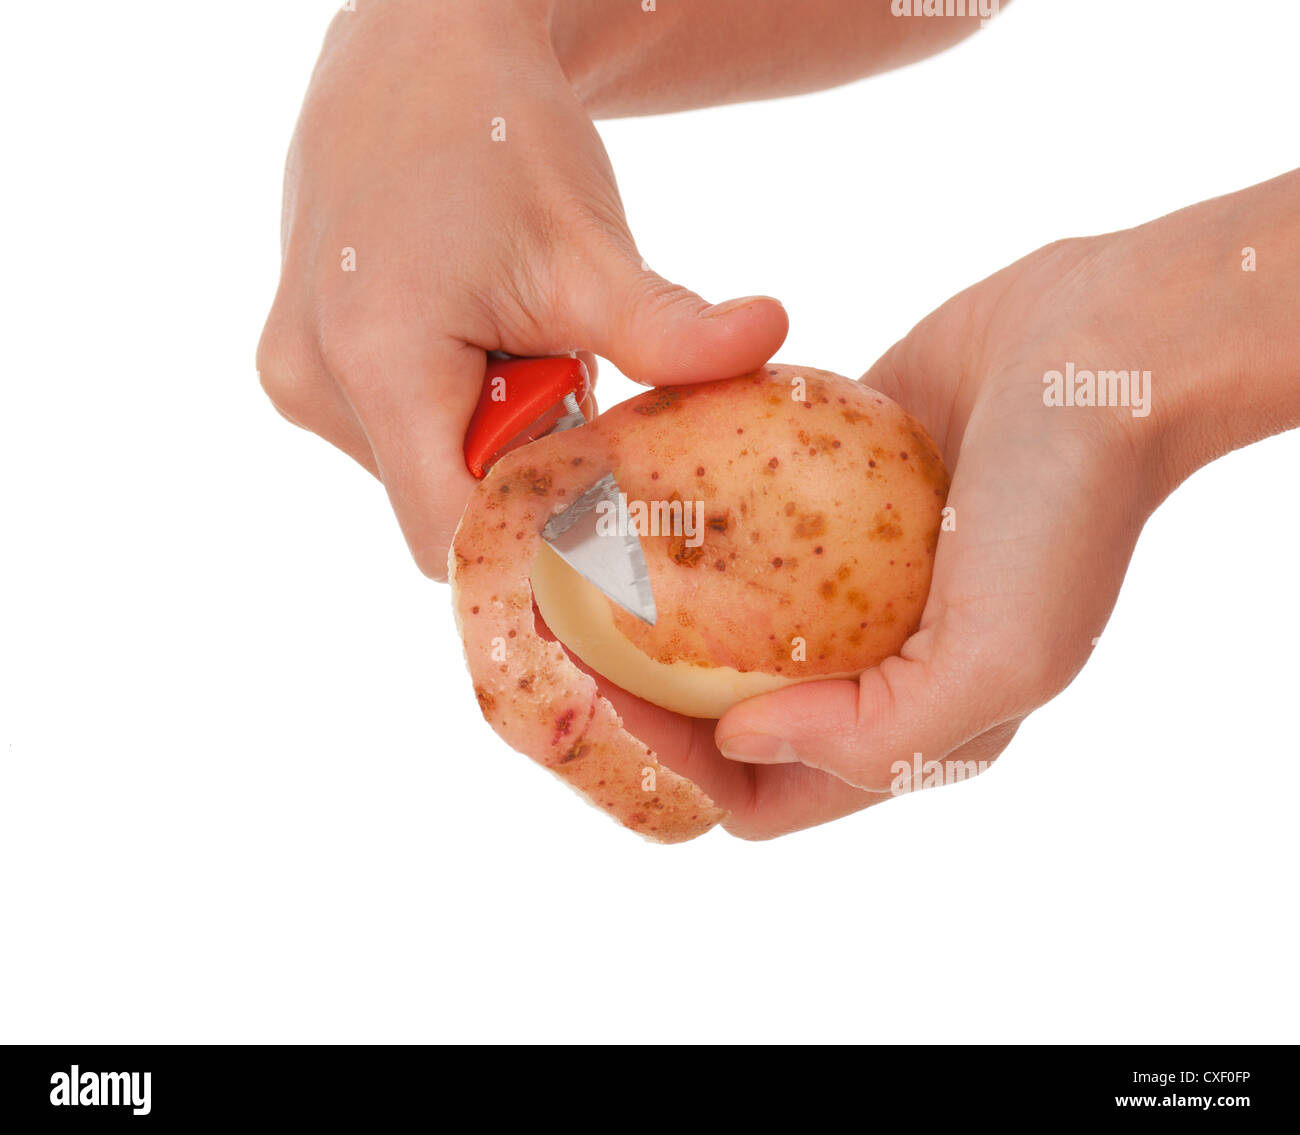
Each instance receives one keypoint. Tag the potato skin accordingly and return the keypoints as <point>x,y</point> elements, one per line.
<point>528,689</point>
<point>822,502</point>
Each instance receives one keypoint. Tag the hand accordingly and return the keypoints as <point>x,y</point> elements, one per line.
<point>459,244</point>
<point>1047,501</point>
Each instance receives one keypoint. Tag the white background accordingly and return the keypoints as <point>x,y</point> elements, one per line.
<point>245,791</point>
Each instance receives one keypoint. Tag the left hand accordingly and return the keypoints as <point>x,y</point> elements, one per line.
<point>1048,501</point>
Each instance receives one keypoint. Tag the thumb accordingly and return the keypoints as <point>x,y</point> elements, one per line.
<point>659,333</point>
<point>861,731</point>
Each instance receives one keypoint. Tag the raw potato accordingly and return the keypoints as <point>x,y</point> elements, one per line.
<point>821,503</point>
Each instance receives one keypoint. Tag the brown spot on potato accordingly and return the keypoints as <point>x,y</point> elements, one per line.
<point>563,724</point>
<point>664,398</point>
<point>486,702</point>
<point>575,751</point>
<point>886,527</point>
<point>929,461</point>
<point>682,554</point>
<point>810,524</point>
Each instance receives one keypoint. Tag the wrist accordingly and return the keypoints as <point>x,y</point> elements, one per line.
<point>1173,347</point>
<point>604,48</point>
<point>1212,294</point>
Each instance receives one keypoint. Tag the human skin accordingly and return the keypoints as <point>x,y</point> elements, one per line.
<point>464,244</point>
<point>1049,501</point>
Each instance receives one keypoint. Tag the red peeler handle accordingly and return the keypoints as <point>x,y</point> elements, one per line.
<point>528,389</point>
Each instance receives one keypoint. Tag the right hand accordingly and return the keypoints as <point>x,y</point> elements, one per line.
<point>462,244</point>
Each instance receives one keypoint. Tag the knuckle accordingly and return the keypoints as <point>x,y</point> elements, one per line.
<point>668,297</point>
<point>433,563</point>
<point>288,374</point>
<point>430,553</point>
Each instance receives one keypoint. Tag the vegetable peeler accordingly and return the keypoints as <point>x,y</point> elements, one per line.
<point>523,399</point>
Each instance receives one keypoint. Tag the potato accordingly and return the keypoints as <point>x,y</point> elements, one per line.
<point>817,503</point>
<point>808,510</point>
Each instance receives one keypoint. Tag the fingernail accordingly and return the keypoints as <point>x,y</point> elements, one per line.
<point>731,305</point>
<point>759,749</point>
